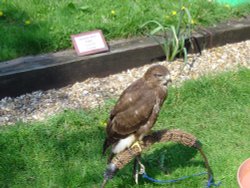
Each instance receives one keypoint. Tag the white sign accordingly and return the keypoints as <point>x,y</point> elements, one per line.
<point>89,43</point>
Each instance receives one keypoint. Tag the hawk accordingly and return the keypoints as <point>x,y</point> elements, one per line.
<point>137,109</point>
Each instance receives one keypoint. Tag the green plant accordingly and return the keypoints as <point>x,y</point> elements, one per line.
<point>174,36</point>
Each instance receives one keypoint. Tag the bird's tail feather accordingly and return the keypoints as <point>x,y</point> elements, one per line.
<point>106,145</point>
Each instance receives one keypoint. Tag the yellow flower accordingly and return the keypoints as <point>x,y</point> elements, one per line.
<point>113,12</point>
<point>174,13</point>
<point>27,22</point>
<point>183,8</point>
<point>103,123</point>
<point>193,22</point>
<point>1,13</point>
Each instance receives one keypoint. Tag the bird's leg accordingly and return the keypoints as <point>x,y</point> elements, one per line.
<point>137,161</point>
<point>142,167</point>
<point>136,171</point>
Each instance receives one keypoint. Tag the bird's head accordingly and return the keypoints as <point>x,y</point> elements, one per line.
<point>158,75</point>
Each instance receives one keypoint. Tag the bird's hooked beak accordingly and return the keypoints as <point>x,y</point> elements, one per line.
<point>167,80</point>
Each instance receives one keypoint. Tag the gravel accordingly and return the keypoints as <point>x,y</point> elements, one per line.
<point>93,92</point>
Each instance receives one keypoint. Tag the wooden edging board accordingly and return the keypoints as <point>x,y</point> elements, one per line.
<point>55,70</point>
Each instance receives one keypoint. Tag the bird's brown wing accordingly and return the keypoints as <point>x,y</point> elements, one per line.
<point>128,97</point>
<point>132,110</point>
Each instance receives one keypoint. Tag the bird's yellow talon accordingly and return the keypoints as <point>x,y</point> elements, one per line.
<point>137,144</point>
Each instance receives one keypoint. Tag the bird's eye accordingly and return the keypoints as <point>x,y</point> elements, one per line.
<point>157,75</point>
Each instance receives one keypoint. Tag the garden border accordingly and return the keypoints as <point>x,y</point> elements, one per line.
<point>55,70</point>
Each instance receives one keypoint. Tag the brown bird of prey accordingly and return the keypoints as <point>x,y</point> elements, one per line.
<point>137,109</point>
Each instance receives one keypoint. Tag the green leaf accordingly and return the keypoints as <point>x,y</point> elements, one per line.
<point>185,55</point>
<point>84,8</point>
<point>156,30</point>
<point>151,22</point>
<point>71,6</point>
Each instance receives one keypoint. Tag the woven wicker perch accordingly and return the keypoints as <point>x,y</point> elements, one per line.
<point>123,158</point>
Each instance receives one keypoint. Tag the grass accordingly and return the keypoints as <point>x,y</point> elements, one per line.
<point>65,150</point>
<point>39,26</point>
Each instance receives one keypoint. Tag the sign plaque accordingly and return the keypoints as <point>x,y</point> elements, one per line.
<point>89,43</point>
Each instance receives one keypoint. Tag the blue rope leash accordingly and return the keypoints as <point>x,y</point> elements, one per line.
<point>209,184</point>
<point>144,175</point>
